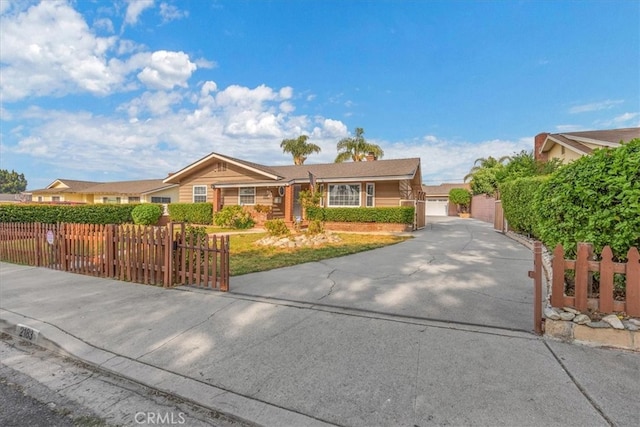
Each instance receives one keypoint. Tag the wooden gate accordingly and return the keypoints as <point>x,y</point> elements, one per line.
<point>420,212</point>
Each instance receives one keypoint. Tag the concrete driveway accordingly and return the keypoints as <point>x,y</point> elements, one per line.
<point>457,270</point>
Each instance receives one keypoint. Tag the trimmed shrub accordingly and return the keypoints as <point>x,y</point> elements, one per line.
<point>276,227</point>
<point>397,215</point>
<point>234,217</point>
<point>315,227</point>
<point>146,214</point>
<point>192,213</point>
<point>594,199</point>
<point>79,214</point>
<point>460,197</point>
<point>517,201</point>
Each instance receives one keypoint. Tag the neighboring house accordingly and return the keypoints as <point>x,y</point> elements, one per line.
<point>225,181</point>
<point>437,197</point>
<point>569,146</point>
<point>72,191</point>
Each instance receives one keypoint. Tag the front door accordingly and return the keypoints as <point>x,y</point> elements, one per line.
<point>297,208</point>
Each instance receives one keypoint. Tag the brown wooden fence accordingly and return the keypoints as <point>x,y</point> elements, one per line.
<point>584,266</point>
<point>149,255</point>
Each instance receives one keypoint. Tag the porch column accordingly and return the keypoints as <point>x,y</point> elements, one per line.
<point>217,199</point>
<point>288,203</point>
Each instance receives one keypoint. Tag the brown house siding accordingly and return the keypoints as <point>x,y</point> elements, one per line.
<point>210,176</point>
<point>387,194</point>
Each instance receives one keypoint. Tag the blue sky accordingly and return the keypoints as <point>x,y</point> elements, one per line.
<point>105,91</point>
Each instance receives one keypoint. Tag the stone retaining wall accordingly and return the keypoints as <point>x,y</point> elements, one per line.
<point>569,331</point>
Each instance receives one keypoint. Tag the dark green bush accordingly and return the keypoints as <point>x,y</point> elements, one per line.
<point>192,213</point>
<point>517,201</point>
<point>594,199</point>
<point>80,214</point>
<point>146,214</point>
<point>234,217</point>
<point>398,215</point>
<point>276,227</point>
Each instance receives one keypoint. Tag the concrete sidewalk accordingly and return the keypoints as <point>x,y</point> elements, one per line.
<point>293,364</point>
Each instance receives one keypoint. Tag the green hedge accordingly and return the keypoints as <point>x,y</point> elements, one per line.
<point>517,202</point>
<point>192,213</point>
<point>399,215</point>
<point>594,199</point>
<point>82,214</point>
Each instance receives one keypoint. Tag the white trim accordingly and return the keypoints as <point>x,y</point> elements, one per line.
<point>591,141</point>
<point>344,206</point>
<point>158,189</point>
<point>546,147</point>
<point>240,195</point>
<point>193,193</point>
<point>219,157</point>
<point>366,195</point>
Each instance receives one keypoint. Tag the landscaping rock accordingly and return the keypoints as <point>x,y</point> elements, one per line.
<point>565,315</point>
<point>581,319</point>
<point>551,313</point>
<point>298,241</point>
<point>599,325</point>
<point>630,326</point>
<point>571,310</point>
<point>613,320</point>
<point>634,322</point>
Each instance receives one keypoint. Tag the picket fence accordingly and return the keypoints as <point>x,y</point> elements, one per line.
<point>164,256</point>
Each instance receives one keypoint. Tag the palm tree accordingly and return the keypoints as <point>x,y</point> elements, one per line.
<point>299,148</point>
<point>485,163</point>
<point>357,148</point>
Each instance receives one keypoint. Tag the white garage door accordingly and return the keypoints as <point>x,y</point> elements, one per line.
<point>437,207</point>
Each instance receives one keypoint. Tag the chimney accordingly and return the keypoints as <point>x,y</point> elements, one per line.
<point>371,157</point>
<point>537,146</point>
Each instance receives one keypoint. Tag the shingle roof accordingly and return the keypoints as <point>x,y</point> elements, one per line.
<point>578,140</point>
<point>378,168</point>
<point>116,187</point>
<point>443,189</point>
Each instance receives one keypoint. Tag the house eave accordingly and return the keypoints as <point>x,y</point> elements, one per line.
<point>172,179</point>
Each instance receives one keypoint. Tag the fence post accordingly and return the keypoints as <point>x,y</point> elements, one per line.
<point>584,254</point>
<point>536,275</point>
<point>606,281</point>
<point>557,283</point>
<point>224,263</point>
<point>633,282</point>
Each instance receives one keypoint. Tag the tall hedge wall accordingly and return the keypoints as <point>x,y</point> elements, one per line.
<point>193,213</point>
<point>82,214</point>
<point>594,199</point>
<point>517,201</point>
<point>397,215</point>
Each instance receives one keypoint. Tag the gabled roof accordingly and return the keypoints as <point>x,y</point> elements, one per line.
<point>254,167</point>
<point>143,186</point>
<point>350,171</point>
<point>577,141</point>
<point>443,189</point>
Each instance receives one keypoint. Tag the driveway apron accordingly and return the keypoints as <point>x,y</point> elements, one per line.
<point>454,270</point>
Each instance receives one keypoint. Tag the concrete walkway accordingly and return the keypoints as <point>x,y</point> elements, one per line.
<point>277,362</point>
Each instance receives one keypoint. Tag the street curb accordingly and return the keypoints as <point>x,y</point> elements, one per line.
<point>227,403</point>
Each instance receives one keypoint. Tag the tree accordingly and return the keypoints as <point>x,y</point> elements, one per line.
<point>524,164</point>
<point>299,148</point>
<point>356,148</point>
<point>485,163</point>
<point>12,182</point>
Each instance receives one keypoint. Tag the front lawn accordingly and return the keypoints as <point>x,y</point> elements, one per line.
<point>246,257</point>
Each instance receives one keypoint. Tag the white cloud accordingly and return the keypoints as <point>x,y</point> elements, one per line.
<point>595,106</point>
<point>171,13</point>
<point>135,8</point>
<point>287,107</point>
<point>626,117</point>
<point>104,24</point>
<point>569,128</point>
<point>165,70</point>
<point>49,50</point>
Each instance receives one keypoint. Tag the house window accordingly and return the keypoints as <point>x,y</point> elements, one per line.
<point>39,198</point>
<point>220,167</point>
<point>344,195</point>
<point>160,199</point>
<point>371,192</point>
<point>199,193</point>
<point>134,199</point>
<point>562,149</point>
<point>55,198</point>
<point>111,200</point>
<point>247,196</point>
<point>322,195</point>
